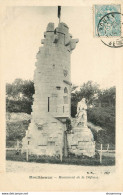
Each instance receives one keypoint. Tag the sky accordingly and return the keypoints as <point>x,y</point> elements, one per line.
<point>24,27</point>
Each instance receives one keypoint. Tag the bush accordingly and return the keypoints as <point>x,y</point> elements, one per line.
<point>16,130</point>
<point>19,106</point>
<point>104,117</point>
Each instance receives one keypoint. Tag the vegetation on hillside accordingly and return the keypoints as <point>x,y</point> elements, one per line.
<point>19,96</point>
<point>101,107</point>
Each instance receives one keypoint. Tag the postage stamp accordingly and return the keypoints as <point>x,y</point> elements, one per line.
<point>107,20</point>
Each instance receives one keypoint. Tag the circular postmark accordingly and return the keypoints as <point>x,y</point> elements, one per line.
<point>109,30</point>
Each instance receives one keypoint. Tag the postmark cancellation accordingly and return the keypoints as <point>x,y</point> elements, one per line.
<point>108,24</point>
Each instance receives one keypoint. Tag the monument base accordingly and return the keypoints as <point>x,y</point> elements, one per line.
<point>48,138</point>
<point>81,142</point>
<point>45,139</point>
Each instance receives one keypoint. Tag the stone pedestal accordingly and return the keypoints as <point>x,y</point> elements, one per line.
<point>45,139</point>
<point>81,142</point>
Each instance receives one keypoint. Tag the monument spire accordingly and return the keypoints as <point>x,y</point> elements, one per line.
<point>59,13</point>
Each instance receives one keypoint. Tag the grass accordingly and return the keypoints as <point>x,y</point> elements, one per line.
<point>71,160</point>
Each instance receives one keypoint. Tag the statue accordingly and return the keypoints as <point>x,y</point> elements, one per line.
<point>82,113</point>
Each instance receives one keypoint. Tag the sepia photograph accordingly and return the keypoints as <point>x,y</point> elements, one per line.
<point>55,117</point>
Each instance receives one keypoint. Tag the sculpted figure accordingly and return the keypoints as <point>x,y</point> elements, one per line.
<point>82,113</point>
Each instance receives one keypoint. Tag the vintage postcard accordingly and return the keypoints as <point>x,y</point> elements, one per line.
<point>61,78</point>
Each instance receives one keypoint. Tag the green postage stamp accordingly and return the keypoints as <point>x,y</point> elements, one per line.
<point>108,24</point>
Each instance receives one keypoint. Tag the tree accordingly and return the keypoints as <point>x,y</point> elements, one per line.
<point>108,96</point>
<point>16,130</point>
<point>26,88</point>
<point>19,96</point>
<point>88,90</point>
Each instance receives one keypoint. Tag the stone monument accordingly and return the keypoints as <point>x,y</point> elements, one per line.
<point>82,113</point>
<point>47,133</point>
<point>52,98</point>
<point>81,141</point>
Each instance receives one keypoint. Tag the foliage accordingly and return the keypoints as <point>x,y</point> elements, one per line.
<point>68,124</point>
<point>104,117</point>
<point>19,96</point>
<point>71,160</point>
<point>18,106</point>
<point>16,130</point>
<point>101,109</point>
<point>101,104</point>
<point>20,89</point>
<point>88,90</point>
<point>107,96</point>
